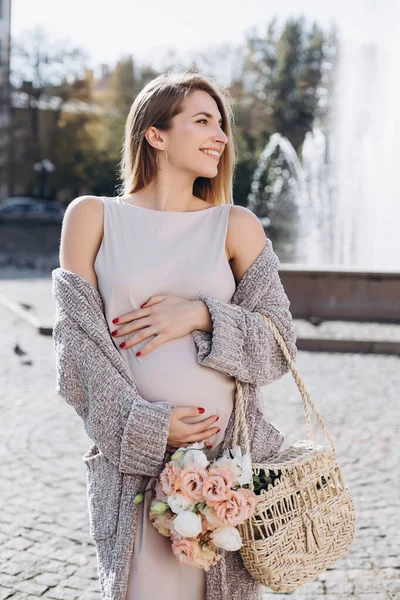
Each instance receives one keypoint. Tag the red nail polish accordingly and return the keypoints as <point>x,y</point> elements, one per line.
<point>122,345</point>
<point>143,304</point>
<point>218,430</point>
<point>201,410</point>
<point>114,332</point>
<point>115,320</point>
<point>138,353</point>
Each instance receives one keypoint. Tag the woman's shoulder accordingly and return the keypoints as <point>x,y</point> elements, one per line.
<point>85,203</point>
<point>81,235</point>
<point>245,239</point>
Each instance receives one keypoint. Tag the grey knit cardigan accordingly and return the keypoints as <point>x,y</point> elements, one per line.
<point>130,434</point>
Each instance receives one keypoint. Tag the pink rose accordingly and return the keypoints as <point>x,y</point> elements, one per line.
<point>186,550</point>
<point>223,471</point>
<point>169,478</point>
<point>191,481</point>
<point>175,536</point>
<point>207,557</point>
<point>207,526</point>
<point>218,484</point>
<point>233,510</point>
<point>160,495</point>
<point>251,500</point>
<point>163,523</point>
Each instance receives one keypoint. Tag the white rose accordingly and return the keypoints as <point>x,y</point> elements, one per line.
<point>247,471</point>
<point>211,516</point>
<point>241,465</point>
<point>188,524</point>
<point>178,503</point>
<point>193,454</point>
<point>227,538</point>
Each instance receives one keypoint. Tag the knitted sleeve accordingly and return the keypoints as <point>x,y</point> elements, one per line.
<point>130,431</point>
<point>241,344</point>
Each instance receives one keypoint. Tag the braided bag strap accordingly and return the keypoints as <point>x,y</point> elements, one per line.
<point>240,418</point>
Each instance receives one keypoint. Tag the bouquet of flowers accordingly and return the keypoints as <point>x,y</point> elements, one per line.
<point>198,503</point>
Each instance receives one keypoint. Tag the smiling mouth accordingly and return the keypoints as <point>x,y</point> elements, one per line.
<point>210,156</point>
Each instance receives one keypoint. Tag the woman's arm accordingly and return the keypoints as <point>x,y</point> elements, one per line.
<point>90,374</point>
<point>130,431</point>
<point>241,344</point>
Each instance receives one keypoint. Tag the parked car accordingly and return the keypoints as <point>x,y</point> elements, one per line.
<point>30,208</point>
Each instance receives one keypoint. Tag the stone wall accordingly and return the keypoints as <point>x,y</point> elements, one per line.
<point>319,294</point>
<point>348,295</point>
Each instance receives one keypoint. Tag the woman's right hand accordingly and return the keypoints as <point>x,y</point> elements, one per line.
<point>181,434</point>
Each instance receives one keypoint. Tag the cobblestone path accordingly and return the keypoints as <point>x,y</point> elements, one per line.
<point>45,548</point>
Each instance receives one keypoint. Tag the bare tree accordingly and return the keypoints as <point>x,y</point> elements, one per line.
<point>44,76</point>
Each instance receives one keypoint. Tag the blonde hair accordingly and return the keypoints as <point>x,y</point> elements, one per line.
<point>157,103</point>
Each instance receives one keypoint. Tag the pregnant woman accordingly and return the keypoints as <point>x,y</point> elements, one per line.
<point>170,238</point>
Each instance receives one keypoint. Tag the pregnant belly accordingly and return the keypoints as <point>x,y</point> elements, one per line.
<point>171,373</point>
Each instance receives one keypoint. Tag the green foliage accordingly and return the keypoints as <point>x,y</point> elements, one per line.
<point>286,71</point>
<point>286,83</point>
<point>276,88</point>
<point>246,145</point>
<point>265,480</point>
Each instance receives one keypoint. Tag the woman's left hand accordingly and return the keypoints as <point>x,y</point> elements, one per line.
<point>168,317</point>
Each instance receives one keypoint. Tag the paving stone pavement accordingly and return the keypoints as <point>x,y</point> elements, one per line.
<point>45,548</point>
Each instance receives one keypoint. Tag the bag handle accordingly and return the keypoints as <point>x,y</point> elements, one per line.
<point>240,417</point>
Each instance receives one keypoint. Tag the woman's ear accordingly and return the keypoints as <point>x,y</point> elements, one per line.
<point>154,138</point>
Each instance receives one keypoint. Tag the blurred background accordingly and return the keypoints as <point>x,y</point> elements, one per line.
<point>315,95</point>
<point>315,87</point>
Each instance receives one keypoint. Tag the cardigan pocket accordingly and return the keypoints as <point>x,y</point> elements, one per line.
<point>104,490</point>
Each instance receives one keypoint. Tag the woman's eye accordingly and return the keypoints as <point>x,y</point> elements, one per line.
<point>200,120</point>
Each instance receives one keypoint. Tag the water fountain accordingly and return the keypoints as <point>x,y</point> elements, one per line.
<point>278,188</point>
<point>344,192</point>
<point>366,127</point>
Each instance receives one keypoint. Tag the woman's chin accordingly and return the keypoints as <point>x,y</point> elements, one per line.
<point>208,173</point>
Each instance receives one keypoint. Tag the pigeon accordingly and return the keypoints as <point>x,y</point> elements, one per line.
<point>315,321</point>
<point>19,350</point>
<point>25,305</point>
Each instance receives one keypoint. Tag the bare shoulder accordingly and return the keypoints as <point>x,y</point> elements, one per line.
<point>81,235</point>
<point>245,239</point>
<point>84,204</point>
<point>85,214</point>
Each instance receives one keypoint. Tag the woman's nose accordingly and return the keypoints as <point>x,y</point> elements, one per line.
<point>221,137</point>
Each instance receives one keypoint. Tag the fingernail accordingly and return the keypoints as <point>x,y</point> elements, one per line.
<point>138,353</point>
<point>114,332</point>
<point>217,418</point>
<point>207,445</point>
<point>142,305</point>
<point>218,430</point>
<point>122,345</point>
<point>201,410</point>
<point>115,320</point>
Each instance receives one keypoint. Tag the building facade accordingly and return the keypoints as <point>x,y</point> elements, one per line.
<point>5,95</point>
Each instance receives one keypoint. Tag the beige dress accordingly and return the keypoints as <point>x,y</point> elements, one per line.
<point>146,252</point>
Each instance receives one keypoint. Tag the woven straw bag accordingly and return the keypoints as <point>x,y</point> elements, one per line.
<point>304,522</point>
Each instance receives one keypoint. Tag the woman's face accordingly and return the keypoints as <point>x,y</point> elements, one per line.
<point>196,129</point>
